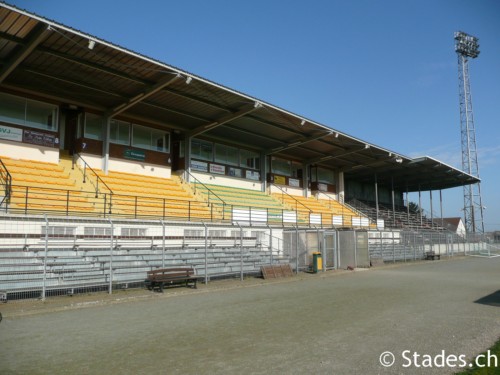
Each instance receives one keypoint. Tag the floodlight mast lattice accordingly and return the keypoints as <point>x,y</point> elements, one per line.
<point>467,46</point>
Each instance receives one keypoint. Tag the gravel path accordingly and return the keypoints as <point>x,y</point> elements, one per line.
<point>333,323</point>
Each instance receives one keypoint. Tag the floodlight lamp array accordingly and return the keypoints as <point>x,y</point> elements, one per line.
<point>466,45</point>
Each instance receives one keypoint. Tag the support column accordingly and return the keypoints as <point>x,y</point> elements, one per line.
<point>305,180</point>
<point>105,145</point>
<point>376,196</point>
<point>393,203</point>
<point>263,171</point>
<point>420,205</point>
<point>341,187</point>
<point>432,209</point>
<point>441,206</point>
<point>407,205</point>
<point>187,158</point>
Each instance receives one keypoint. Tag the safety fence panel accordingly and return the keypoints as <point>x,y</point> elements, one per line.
<point>347,255</point>
<point>45,256</point>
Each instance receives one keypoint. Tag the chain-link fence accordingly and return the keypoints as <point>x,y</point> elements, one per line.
<point>396,246</point>
<point>44,256</point>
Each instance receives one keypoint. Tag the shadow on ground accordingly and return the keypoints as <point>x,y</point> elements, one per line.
<point>492,299</point>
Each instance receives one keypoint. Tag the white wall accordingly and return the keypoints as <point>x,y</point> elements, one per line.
<point>325,195</point>
<point>136,167</point>
<point>16,150</point>
<point>214,179</point>
<point>288,190</point>
<point>127,166</point>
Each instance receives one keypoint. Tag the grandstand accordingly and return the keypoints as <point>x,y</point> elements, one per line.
<point>105,135</point>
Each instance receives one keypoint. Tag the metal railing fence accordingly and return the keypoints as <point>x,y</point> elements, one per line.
<point>43,256</point>
<point>39,200</point>
<point>5,186</point>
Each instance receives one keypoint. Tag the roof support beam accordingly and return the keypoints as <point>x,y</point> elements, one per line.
<point>329,157</point>
<point>296,143</point>
<point>143,95</point>
<point>225,119</point>
<point>35,38</point>
<point>97,89</point>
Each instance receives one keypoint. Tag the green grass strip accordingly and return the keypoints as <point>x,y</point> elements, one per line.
<point>494,351</point>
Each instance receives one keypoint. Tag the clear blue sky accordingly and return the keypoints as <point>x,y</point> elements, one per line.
<point>383,71</point>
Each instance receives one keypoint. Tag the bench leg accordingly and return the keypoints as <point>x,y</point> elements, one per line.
<point>161,288</point>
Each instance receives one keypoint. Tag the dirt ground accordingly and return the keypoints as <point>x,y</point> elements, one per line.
<point>337,322</point>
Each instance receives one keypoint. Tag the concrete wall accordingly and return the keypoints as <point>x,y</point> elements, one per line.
<point>16,150</point>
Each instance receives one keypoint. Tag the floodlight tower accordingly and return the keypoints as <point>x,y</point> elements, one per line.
<point>467,47</point>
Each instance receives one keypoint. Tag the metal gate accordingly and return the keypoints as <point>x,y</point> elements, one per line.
<point>353,249</point>
<point>330,258</point>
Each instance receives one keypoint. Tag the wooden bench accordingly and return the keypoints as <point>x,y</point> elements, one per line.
<point>163,277</point>
<point>431,255</point>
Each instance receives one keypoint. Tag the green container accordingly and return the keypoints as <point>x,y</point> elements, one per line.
<point>317,262</point>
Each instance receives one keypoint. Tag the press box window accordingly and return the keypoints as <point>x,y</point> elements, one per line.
<point>26,112</point>
<point>249,159</point>
<point>119,132</point>
<point>226,154</point>
<point>201,150</point>
<point>325,176</point>
<point>281,166</point>
<point>150,139</point>
<point>93,126</point>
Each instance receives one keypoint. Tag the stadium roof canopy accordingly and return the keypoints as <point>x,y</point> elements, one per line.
<point>44,58</point>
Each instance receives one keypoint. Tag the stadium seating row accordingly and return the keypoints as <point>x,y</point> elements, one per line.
<point>43,187</point>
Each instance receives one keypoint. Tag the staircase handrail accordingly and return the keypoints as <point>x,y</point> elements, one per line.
<point>295,199</point>
<point>352,208</point>
<point>85,166</point>
<point>6,179</point>
<point>210,191</point>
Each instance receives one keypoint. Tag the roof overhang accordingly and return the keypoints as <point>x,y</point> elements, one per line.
<point>418,174</point>
<point>54,62</point>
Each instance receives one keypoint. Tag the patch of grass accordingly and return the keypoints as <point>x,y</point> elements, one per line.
<point>494,351</point>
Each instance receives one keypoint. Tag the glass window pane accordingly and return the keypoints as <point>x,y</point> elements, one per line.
<point>22,111</point>
<point>12,109</point>
<point>249,159</point>
<point>280,166</point>
<point>150,139</point>
<point>119,132</point>
<point>160,140</point>
<point>93,126</point>
<point>326,176</point>
<point>141,137</point>
<point>226,154</point>
<point>41,115</point>
<point>201,149</point>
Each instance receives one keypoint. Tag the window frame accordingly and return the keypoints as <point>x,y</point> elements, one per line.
<point>26,120</point>
<point>165,137</point>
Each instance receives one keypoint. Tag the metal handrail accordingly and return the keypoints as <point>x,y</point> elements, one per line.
<point>138,205</point>
<point>207,188</point>
<point>85,166</point>
<point>6,179</point>
<point>295,199</point>
<point>348,206</point>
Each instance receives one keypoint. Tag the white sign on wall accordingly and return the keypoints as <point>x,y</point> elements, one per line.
<point>199,166</point>
<point>11,134</point>
<point>252,175</point>
<point>216,168</point>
